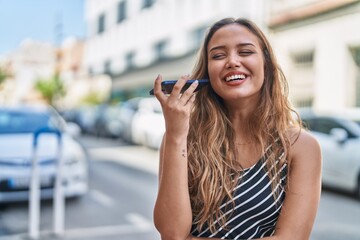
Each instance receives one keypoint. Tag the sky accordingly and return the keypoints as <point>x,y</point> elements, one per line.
<point>37,19</point>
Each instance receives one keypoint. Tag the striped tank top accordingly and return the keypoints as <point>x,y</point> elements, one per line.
<point>255,211</point>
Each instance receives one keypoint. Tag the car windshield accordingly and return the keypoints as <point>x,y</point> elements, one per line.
<point>22,122</point>
<point>351,126</point>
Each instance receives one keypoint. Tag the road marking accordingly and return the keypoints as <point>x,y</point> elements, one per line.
<point>138,224</point>
<point>102,198</point>
<point>139,221</point>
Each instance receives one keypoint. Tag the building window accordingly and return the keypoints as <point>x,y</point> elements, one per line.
<point>356,56</point>
<point>129,60</point>
<point>198,37</point>
<point>90,71</point>
<point>107,67</point>
<point>121,12</point>
<point>160,48</point>
<point>101,23</point>
<point>147,3</point>
<point>304,59</point>
<point>302,80</point>
<point>305,102</point>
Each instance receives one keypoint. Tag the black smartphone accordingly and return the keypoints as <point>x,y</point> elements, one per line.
<point>168,85</point>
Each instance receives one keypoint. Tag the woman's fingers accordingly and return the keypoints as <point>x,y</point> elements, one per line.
<point>190,92</point>
<point>176,95</point>
<point>176,92</point>
<point>157,89</point>
<point>186,97</point>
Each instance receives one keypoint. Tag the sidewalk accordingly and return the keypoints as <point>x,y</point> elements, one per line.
<point>140,157</point>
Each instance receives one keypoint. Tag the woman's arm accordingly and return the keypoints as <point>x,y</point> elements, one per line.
<point>172,212</point>
<point>303,192</point>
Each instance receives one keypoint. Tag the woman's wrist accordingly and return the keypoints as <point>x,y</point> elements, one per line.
<point>175,139</point>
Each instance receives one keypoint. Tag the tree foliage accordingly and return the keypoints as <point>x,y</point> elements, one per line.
<point>92,98</point>
<point>51,89</point>
<point>3,75</point>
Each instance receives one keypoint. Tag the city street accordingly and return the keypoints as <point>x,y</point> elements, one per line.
<point>123,186</point>
<point>118,205</point>
<point>80,117</point>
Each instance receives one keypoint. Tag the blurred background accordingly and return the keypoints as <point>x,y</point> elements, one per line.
<point>92,63</point>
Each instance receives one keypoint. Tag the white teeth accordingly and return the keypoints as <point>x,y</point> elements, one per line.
<point>234,77</point>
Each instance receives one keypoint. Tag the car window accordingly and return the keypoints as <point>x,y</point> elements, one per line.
<point>325,125</point>
<point>308,123</point>
<point>25,122</point>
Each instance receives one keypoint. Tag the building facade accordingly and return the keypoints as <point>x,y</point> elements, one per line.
<point>33,60</point>
<point>316,42</point>
<point>318,46</point>
<point>135,40</point>
<point>79,85</point>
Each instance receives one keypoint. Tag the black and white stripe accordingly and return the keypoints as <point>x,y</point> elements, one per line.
<point>256,211</point>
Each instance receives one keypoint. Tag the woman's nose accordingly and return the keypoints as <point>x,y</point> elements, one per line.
<point>233,61</point>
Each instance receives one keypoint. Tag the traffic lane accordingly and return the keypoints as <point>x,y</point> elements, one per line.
<point>89,141</point>
<point>117,196</point>
<point>338,216</point>
<point>122,190</point>
<point>122,200</point>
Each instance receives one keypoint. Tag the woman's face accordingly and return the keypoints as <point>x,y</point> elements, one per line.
<point>235,63</point>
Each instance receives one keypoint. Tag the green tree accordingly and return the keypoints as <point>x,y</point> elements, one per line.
<point>51,89</point>
<point>3,75</point>
<point>92,98</point>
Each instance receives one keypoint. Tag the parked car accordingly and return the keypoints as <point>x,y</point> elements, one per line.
<point>17,126</point>
<point>339,138</point>
<point>85,117</point>
<point>107,123</point>
<point>126,114</point>
<point>148,124</point>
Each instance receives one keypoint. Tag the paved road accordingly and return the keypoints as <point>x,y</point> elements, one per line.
<point>338,217</point>
<point>123,188</point>
<point>118,205</point>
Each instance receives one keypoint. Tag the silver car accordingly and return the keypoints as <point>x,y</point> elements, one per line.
<point>339,138</point>
<point>17,126</point>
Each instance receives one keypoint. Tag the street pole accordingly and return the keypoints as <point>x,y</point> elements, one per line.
<point>59,201</point>
<point>34,198</point>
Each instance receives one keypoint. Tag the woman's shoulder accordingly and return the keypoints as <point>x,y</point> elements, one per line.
<point>300,136</point>
<point>304,146</point>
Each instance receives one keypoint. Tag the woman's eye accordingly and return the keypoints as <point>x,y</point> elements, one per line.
<point>245,53</point>
<point>217,56</point>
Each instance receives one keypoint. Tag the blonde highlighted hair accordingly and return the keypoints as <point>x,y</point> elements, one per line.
<point>213,168</point>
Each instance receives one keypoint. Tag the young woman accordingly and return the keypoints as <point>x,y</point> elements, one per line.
<point>234,162</point>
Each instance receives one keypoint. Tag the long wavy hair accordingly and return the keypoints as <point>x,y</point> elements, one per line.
<point>213,166</point>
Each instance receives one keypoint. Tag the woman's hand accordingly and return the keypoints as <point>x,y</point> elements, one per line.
<point>176,106</point>
<point>172,211</point>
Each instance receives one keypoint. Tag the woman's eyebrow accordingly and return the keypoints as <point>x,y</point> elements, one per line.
<point>238,45</point>
<point>217,47</point>
<point>245,44</point>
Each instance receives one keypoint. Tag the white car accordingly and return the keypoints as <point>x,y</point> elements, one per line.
<point>148,124</point>
<point>17,126</point>
<point>339,139</point>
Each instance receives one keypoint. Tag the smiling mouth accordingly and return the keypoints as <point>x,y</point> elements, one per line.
<point>235,77</point>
